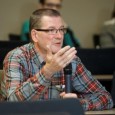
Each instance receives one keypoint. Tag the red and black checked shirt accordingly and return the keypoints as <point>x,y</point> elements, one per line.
<point>23,81</point>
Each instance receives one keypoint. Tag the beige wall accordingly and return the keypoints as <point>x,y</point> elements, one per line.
<point>85,17</point>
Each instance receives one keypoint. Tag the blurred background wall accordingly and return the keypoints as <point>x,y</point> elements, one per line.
<point>85,17</point>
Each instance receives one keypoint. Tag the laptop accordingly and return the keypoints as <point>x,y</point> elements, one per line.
<point>49,107</point>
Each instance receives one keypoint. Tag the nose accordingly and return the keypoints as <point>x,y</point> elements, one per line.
<point>59,35</point>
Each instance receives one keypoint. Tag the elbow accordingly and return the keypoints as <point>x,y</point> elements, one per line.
<point>106,102</point>
<point>109,103</point>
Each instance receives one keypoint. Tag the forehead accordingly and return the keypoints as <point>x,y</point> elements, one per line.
<point>48,21</point>
<point>53,1</point>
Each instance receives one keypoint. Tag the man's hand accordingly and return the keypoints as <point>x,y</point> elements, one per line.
<point>68,95</point>
<point>56,62</point>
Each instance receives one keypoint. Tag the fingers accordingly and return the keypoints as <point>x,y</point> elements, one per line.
<point>70,54</point>
<point>66,55</point>
<point>49,53</point>
<point>62,94</point>
<point>68,95</point>
<point>63,50</point>
<point>67,51</point>
<point>56,62</point>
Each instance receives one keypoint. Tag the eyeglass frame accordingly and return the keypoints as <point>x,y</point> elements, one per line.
<point>61,31</point>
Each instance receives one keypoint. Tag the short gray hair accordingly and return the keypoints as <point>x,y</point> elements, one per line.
<point>36,17</point>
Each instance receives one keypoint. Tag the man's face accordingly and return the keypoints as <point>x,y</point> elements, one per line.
<point>52,4</point>
<point>52,38</point>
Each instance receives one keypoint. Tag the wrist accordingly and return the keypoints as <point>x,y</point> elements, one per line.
<point>46,72</point>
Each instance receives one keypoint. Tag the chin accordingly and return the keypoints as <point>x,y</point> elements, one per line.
<point>55,50</point>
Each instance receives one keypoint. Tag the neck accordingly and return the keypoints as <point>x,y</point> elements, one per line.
<point>40,51</point>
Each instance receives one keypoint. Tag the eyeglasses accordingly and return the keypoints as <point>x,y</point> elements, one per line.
<point>53,31</point>
<point>51,5</point>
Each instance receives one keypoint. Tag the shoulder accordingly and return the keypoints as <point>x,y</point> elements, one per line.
<point>75,62</point>
<point>20,52</point>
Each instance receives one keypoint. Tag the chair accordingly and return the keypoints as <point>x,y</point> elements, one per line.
<point>98,61</point>
<point>1,74</point>
<point>49,107</point>
<point>3,52</point>
<point>96,41</point>
<point>6,46</point>
<point>11,44</point>
<point>14,37</point>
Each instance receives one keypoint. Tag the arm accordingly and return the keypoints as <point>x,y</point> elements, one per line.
<point>19,86</point>
<point>93,95</point>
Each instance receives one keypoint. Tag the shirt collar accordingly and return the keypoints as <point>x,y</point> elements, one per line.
<point>41,60</point>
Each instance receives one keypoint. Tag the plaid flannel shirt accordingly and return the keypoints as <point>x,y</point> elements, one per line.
<point>23,80</point>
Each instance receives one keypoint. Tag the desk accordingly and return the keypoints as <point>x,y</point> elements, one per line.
<point>104,77</point>
<point>104,112</point>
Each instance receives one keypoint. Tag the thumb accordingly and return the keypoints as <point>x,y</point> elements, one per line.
<point>62,94</point>
<point>49,53</point>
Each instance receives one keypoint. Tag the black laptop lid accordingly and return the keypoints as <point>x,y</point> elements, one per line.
<point>49,107</point>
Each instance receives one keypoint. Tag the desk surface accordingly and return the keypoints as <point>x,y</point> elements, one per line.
<point>104,112</point>
<point>104,77</point>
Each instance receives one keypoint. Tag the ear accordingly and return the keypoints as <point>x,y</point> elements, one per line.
<point>34,35</point>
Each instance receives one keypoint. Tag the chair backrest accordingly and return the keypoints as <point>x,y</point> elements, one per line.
<point>49,107</point>
<point>11,44</point>
<point>14,37</point>
<point>3,52</point>
<point>6,46</point>
<point>98,61</point>
<point>1,74</point>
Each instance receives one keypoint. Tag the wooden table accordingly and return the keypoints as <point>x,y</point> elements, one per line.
<point>104,112</point>
<point>104,77</point>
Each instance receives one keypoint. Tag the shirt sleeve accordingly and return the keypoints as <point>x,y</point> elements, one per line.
<point>20,87</point>
<point>92,95</point>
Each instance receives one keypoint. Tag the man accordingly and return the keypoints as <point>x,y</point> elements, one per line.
<point>35,71</point>
<point>70,38</point>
